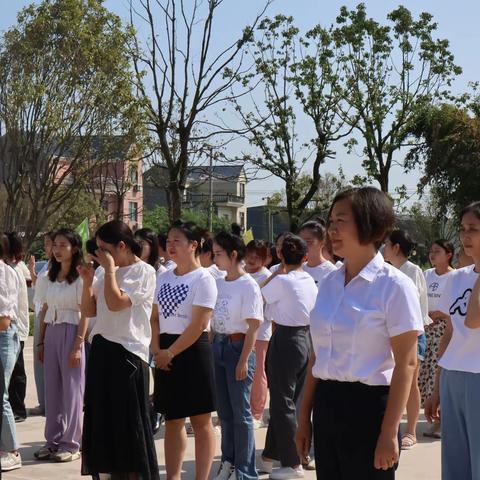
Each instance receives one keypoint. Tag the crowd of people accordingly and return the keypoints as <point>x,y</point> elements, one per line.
<point>334,325</point>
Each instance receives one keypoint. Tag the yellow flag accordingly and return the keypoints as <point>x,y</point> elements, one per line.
<point>248,236</point>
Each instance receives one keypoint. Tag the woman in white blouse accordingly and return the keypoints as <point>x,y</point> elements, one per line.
<point>364,329</point>
<point>61,349</point>
<point>235,321</point>
<point>9,347</point>
<point>117,432</point>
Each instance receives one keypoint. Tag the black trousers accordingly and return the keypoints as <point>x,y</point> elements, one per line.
<point>347,419</point>
<point>18,386</point>
<point>286,364</point>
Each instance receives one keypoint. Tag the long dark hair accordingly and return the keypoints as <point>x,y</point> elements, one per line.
<point>75,241</point>
<point>116,231</point>
<point>16,246</point>
<point>404,241</point>
<point>149,236</point>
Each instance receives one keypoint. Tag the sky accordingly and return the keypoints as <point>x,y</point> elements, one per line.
<point>457,21</point>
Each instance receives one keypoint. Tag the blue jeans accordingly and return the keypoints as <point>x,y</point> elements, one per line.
<point>460,401</point>
<point>233,397</point>
<point>9,348</point>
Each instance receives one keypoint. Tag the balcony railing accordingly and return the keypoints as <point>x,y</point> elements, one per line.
<point>196,198</point>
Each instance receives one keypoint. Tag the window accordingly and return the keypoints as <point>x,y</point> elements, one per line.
<point>242,219</point>
<point>133,211</point>
<point>242,190</point>
<point>134,175</point>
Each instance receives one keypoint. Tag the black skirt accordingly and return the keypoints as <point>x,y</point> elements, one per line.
<point>188,389</point>
<point>117,434</point>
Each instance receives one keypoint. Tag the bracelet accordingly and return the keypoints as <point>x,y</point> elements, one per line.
<point>80,338</point>
<point>39,344</point>
<point>169,353</point>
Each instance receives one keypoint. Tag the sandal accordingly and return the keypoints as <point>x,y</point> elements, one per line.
<point>408,441</point>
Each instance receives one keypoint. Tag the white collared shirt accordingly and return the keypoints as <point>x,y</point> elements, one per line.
<point>351,325</point>
<point>9,286</point>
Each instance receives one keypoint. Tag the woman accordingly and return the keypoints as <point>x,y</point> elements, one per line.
<point>364,328</point>
<point>457,387</point>
<point>255,258</point>
<point>235,321</point>
<point>18,383</point>
<point>148,241</point>
<point>206,257</point>
<point>60,348</point>
<point>117,434</point>
<point>10,458</point>
<point>441,257</point>
<point>184,300</point>
<point>290,295</point>
<point>398,248</point>
<point>313,234</point>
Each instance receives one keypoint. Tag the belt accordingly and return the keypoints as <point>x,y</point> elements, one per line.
<point>233,337</point>
<point>236,337</point>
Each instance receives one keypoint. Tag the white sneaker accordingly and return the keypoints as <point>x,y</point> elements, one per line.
<point>264,466</point>
<point>287,473</point>
<point>10,461</point>
<point>225,471</point>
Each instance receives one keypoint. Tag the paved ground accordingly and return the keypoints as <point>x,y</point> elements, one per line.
<point>421,463</point>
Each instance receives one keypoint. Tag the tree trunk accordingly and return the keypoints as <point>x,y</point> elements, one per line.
<point>175,199</point>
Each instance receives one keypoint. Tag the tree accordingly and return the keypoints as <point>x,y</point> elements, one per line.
<point>158,220</point>
<point>300,79</point>
<point>328,186</point>
<point>390,73</point>
<point>181,77</point>
<point>449,151</point>
<point>65,78</point>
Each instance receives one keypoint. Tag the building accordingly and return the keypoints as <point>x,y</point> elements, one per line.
<point>115,178</point>
<point>228,187</point>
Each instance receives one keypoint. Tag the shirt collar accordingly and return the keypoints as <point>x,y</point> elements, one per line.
<point>371,269</point>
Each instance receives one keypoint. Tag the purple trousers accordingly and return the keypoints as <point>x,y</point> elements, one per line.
<point>64,388</point>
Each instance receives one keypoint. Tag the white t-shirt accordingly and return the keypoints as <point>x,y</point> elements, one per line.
<point>237,300</point>
<point>63,300</point>
<point>351,325</point>
<point>463,351</point>
<point>175,296</point>
<point>320,271</point>
<point>436,285</point>
<point>9,286</point>
<point>215,272</point>
<point>129,327</point>
<point>414,273</point>
<point>23,320</point>
<point>290,298</point>
<point>264,332</point>
<point>274,268</point>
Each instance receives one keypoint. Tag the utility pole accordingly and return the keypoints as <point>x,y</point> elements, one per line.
<point>210,203</point>
<point>269,220</point>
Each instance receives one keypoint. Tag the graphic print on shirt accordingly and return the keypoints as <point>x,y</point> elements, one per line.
<point>433,286</point>
<point>461,303</point>
<point>170,298</point>
<point>222,315</point>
